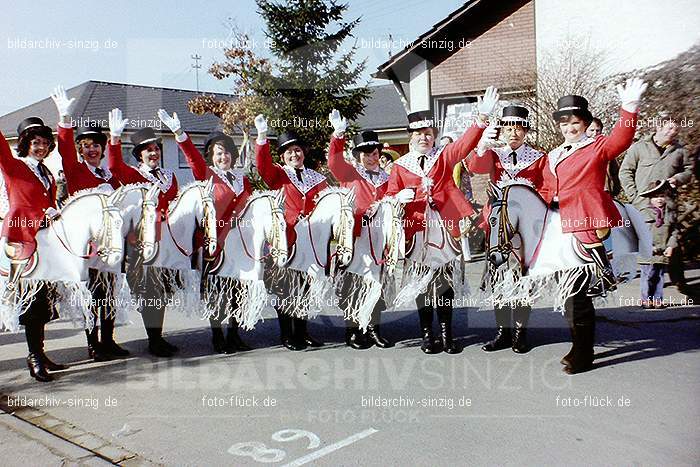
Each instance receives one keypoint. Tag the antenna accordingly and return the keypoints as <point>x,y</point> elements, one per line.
<point>196,66</point>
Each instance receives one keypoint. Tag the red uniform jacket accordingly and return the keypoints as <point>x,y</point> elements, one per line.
<point>78,174</point>
<point>28,198</point>
<point>126,174</point>
<point>531,165</point>
<point>299,197</point>
<point>447,199</point>
<point>349,176</point>
<point>229,199</point>
<point>577,177</point>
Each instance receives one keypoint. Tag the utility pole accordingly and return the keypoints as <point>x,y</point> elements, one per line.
<point>196,66</point>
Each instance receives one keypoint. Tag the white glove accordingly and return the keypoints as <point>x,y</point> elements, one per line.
<point>406,195</point>
<point>63,104</point>
<point>117,123</point>
<point>51,213</point>
<point>171,122</point>
<point>339,123</point>
<point>487,141</point>
<point>487,104</point>
<point>631,93</point>
<point>261,126</point>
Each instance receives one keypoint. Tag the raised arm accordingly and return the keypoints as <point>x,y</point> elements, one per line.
<point>623,133</point>
<point>337,164</point>
<point>66,146</point>
<point>194,158</point>
<point>458,150</point>
<point>272,174</point>
<point>6,158</point>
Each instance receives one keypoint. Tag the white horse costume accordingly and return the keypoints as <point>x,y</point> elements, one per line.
<point>434,254</point>
<point>550,262</point>
<point>63,252</point>
<point>193,207</point>
<point>306,272</point>
<point>376,254</point>
<point>138,211</point>
<point>258,234</point>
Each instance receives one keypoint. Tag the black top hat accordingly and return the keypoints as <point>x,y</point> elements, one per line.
<point>94,131</point>
<point>419,120</point>
<point>221,137</point>
<point>286,139</point>
<point>143,138</point>
<point>515,115</point>
<point>367,141</point>
<point>33,122</point>
<point>656,188</point>
<point>572,105</point>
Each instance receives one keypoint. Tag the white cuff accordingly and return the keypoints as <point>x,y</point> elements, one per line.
<point>65,125</point>
<point>339,134</point>
<point>631,107</point>
<point>181,138</point>
<point>261,142</point>
<point>481,124</point>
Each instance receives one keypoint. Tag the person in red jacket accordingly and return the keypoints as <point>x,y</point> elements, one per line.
<point>31,193</point>
<point>578,168</point>
<point>370,183</point>
<point>148,150</point>
<point>300,185</point>
<point>231,192</point>
<point>82,170</point>
<point>577,171</point>
<point>423,178</point>
<point>515,161</point>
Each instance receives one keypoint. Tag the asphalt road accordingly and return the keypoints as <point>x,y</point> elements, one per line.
<point>336,406</point>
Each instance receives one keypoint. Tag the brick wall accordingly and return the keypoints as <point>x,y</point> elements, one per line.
<point>490,58</point>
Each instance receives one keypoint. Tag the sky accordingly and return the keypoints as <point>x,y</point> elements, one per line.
<point>151,42</point>
<point>45,43</point>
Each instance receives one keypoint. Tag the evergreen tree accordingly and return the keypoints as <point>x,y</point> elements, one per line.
<point>311,75</point>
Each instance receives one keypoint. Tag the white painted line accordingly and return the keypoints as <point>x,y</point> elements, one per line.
<point>329,449</point>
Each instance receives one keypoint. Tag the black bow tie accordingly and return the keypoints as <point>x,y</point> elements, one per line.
<point>44,171</point>
<point>299,172</point>
<point>568,147</point>
<point>514,155</point>
<point>230,177</point>
<point>100,172</point>
<point>372,174</point>
<point>421,160</point>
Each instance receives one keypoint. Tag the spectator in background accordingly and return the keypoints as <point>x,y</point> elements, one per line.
<point>664,232</point>
<point>387,158</point>
<point>656,157</point>
<point>446,140</point>
<point>612,179</point>
<point>61,189</point>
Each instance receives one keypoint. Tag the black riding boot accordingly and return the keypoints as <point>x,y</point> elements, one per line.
<point>503,335</point>
<point>302,334</point>
<point>354,338</point>
<point>37,368</point>
<point>153,322</point>
<point>50,365</point>
<point>286,334</point>
<point>606,280</point>
<point>374,329</point>
<point>582,319</point>
<point>108,345</point>
<point>233,339</point>
<point>217,336</point>
<point>429,346</point>
<point>521,315</point>
<point>445,318</point>
<point>93,342</point>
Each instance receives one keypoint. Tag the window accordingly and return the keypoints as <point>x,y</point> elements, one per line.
<point>182,160</point>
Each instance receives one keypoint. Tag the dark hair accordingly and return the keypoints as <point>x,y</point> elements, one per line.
<point>102,145</point>
<point>448,137</point>
<point>29,134</point>
<point>386,156</point>
<point>597,121</point>
<point>585,116</point>
<point>227,145</point>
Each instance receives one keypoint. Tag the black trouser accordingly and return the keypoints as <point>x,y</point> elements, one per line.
<point>440,290</point>
<point>153,297</point>
<point>40,311</point>
<point>103,304</point>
